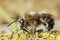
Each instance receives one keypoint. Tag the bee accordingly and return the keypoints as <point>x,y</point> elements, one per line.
<point>33,21</point>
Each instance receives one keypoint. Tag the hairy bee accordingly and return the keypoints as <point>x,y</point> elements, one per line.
<point>33,21</point>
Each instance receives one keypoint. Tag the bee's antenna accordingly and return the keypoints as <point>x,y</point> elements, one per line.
<point>12,23</point>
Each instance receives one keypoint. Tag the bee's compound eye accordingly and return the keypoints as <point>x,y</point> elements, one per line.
<point>21,20</point>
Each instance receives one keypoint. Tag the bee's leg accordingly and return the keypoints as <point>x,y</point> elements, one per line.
<point>39,31</point>
<point>46,24</point>
<point>33,29</point>
<point>50,27</point>
<point>50,24</point>
<point>25,30</point>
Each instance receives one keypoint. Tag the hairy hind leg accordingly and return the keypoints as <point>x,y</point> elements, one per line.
<point>50,26</point>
